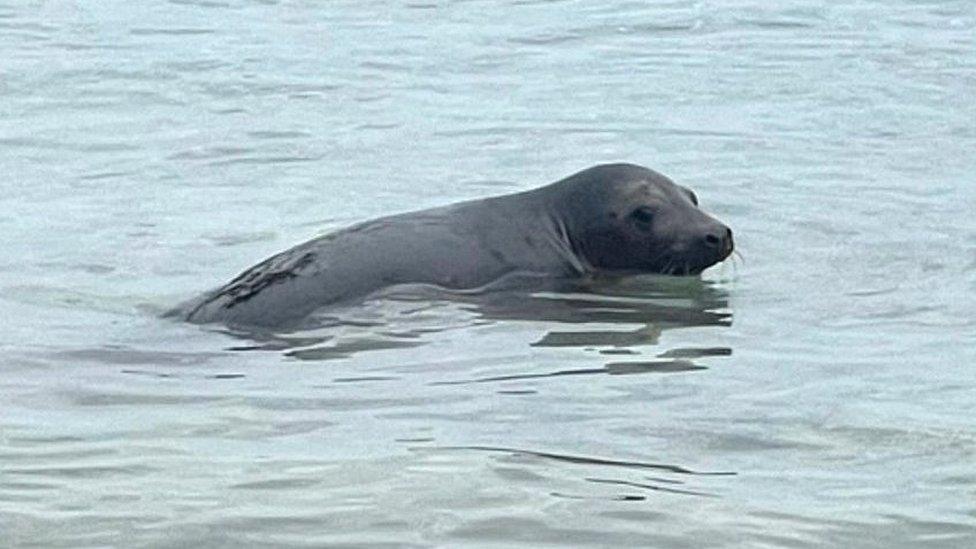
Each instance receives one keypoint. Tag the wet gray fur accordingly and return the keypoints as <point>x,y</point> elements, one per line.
<point>587,223</point>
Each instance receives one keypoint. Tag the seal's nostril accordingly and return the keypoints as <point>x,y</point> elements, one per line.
<point>712,240</point>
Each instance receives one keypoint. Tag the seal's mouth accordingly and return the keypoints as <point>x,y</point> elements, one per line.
<point>685,270</point>
<point>694,264</point>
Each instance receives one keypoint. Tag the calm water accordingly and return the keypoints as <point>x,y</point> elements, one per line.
<point>820,392</point>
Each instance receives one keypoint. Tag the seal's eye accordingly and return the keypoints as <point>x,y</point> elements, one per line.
<point>693,197</point>
<point>643,215</point>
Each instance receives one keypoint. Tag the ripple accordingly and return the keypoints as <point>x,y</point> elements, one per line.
<point>201,3</point>
<point>347,349</point>
<point>694,352</point>
<point>611,368</point>
<point>284,159</point>
<point>588,460</point>
<point>236,239</point>
<point>647,335</point>
<point>553,39</point>
<point>90,398</point>
<point>279,134</point>
<point>362,379</point>
<point>128,356</point>
<point>646,486</point>
<point>84,471</point>
<point>170,32</point>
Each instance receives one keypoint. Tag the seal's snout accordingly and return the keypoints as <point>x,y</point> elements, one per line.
<point>715,243</point>
<point>720,239</point>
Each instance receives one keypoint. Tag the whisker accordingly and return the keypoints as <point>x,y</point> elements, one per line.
<point>667,267</point>
<point>658,257</point>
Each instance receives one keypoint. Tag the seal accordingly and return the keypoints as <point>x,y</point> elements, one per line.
<point>612,219</point>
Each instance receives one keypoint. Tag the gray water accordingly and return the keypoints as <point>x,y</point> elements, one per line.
<point>819,391</point>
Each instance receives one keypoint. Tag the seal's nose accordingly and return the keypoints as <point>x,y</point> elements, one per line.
<point>720,238</point>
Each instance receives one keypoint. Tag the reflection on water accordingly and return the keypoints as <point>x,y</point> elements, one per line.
<point>606,467</point>
<point>612,368</point>
<point>407,317</point>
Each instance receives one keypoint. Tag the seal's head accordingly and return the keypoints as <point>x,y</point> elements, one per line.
<point>627,218</point>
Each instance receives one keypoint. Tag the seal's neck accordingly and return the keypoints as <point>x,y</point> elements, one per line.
<point>561,238</point>
<point>557,226</point>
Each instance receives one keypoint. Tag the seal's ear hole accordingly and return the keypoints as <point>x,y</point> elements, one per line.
<point>643,215</point>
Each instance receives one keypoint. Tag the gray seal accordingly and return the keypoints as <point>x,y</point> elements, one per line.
<point>608,219</point>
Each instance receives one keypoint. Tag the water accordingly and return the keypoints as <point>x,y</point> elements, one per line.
<point>818,393</point>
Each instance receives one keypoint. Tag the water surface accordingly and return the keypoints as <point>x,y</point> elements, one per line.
<point>818,393</point>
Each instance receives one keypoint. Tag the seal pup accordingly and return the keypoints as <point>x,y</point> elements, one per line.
<point>608,219</point>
